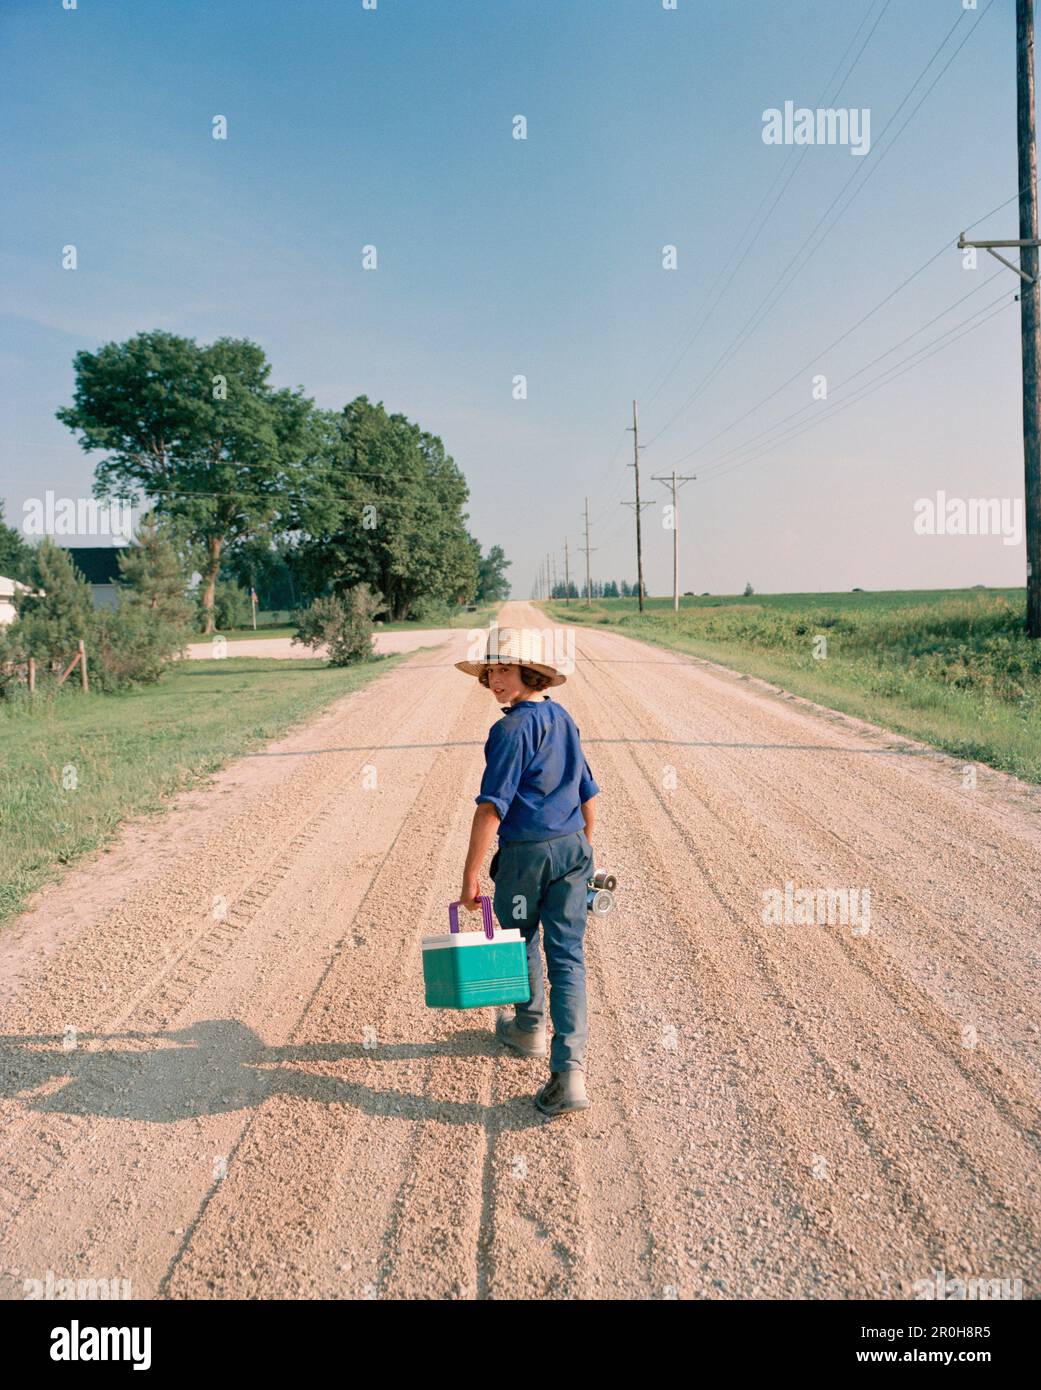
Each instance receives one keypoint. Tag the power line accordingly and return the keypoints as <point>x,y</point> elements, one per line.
<point>280,494</point>
<point>822,99</point>
<point>842,336</point>
<point>928,324</point>
<point>779,288</point>
<point>892,373</point>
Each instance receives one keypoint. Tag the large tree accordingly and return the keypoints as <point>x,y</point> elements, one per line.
<point>385,507</point>
<point>199,431</point>
<point>492,583</point>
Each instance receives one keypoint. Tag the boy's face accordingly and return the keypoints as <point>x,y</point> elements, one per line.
<point>505,683</point>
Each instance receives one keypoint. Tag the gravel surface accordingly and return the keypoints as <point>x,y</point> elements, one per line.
<point>256,1103</point>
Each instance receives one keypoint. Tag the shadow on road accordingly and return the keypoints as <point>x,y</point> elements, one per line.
<point>220,1065</point>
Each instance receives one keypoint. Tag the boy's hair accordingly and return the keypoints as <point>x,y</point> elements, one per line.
<point>534,680</point>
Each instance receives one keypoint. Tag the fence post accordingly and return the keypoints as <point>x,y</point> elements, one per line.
<point>83,667</point>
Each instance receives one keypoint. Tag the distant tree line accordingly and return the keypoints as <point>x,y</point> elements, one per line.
<point>600,588</point>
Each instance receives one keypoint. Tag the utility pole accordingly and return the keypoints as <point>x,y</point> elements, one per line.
<point>1029,302</point>
<point>1029,305</point>
<point>589,585</point>
<point>639,546</point>
<point>567,575</point>
<point>684,478</point>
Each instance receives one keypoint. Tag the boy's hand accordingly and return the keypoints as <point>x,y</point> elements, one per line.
<point>470,892</point>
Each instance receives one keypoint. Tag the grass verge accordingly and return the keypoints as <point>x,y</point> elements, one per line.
<point>949,667</point>
<point>76,766</point>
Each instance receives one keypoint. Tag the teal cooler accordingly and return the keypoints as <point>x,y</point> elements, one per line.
<point>470,970</point>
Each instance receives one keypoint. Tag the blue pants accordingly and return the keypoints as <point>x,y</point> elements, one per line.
<point>545,881</point>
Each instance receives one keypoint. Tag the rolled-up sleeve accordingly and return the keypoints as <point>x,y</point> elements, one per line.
<point>505,756</point>
<point>587,787</point>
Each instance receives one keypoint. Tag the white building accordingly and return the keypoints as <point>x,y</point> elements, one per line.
<point>8,589</point>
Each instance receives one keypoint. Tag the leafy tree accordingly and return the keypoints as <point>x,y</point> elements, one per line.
<point>16,557</point>
<point>748,591</point>
<point>137,640</point>
<point>611,589</point>
<point>385,508</point>
<point>271,566</point>
<point>492,584</point>
<point>54,615</point>
<point>197,430</point>
<point>152,577</point>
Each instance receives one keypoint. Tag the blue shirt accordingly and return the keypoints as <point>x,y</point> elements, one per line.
<point>536,775</point>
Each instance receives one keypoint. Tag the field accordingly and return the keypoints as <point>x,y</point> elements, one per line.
<point>950,666</point>
<point>76,766</point>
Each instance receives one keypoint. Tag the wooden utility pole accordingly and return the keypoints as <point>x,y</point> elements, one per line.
<point>1029,302</point>
<point>589,585</point>
<point>567,575</point>
<point>636,465</point>
<point>684,478</point>
<point>1029,306</point>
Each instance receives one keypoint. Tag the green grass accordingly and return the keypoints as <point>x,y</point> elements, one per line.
<point>951,667</point>
<point>131,752</point>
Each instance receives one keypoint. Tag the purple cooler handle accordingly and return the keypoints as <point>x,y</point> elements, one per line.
<point>486,912</point>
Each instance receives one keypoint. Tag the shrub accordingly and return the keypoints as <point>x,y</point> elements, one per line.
<point>128,646</point>
<point>434,612</point>
<point>343,625</point>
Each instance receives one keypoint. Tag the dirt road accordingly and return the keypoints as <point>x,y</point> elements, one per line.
<point>255,1102</point>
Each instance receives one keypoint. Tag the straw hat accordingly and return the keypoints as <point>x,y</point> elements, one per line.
<point>513,646</point>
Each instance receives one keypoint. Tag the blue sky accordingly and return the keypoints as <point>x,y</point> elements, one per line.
<point>543,257</point>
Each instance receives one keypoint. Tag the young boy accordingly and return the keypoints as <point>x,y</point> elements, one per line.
<point>539,795</point>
